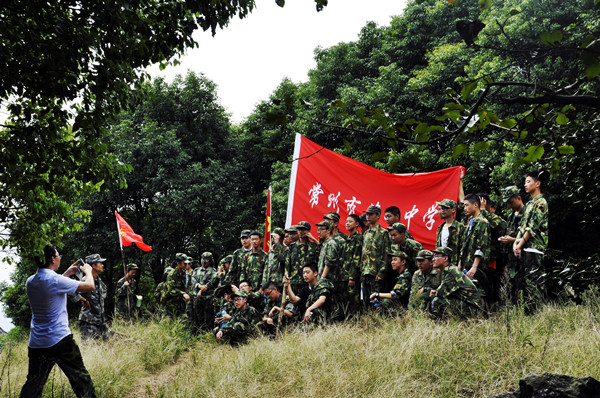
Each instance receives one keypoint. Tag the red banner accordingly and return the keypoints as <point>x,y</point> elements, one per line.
<point>324,181</point>
<point>127,236</point>
<point>267,242</point>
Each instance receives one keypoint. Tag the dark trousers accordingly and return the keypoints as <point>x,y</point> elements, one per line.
<point>67,356</point>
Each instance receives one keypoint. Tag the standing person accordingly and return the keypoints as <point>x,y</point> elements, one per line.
<point>275,264</point>
<point>254,262</point>
<point>51,341</point>
<point>92,319</point>
<point>233,276</point>
<point>125,300</point>
<point>334,218</point>
<point>392,216</point>
<point>376,245</point>
<point>330,255</point>
<point>300,253</point>
<point>531,243</point>
<point>350,268</point>
<point>512,198</point>
<point>204,283</point>
<point>176,296</point>
<point>475,250</point>
<point>450,233</point>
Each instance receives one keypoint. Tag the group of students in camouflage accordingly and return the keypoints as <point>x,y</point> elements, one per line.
<point>333,276</point>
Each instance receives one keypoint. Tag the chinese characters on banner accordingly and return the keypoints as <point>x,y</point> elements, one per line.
<point>323,181</point>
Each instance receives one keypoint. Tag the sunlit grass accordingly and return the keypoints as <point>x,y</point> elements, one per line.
<point>409,356</point>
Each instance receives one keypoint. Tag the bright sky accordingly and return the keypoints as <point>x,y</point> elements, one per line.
<point>251,56</point>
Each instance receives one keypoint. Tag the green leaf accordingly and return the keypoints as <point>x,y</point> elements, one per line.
<point>534,153</point>
<point>551,38</point>
<point>562,119</point>
<point>379,156</point>
<point>515,11</point>
<point>593,70</point>
<point>413,160</point>
<point>347,145</point>
<point>459,150</point>
<point>481,146</point>
<point>555,166</point>
<point>566,150</point>
<point>338,104</point>
<point>468,89</point>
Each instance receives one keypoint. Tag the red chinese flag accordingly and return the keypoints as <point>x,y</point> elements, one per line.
<point>127,236</point>
<point>267,243</point>
<point>323,181</point>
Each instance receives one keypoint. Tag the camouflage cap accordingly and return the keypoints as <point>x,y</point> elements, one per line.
<point>325,223</point>
<point>447,204</point>
<point>245,233</point>
<point>189,260</point>
<point>333,216</point>
<point>398,226</point>
<point>424,254</point>
<point>227,259</point>
<point>131,266</point>
<point>444,251</point>
<point>207,256</point>
<point>398,253</point>
<point>278,231</point>
<point>292,229</point>
<point>180,257</point>
<point>241,293</point>
<point>303,225</point>
<point>94,258</point>
<point>373,210</point>
<point>222,290</point>
<point>510,192</point>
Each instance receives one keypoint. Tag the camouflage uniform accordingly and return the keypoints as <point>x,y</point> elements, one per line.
<point>175,287</point>
<point>476,242</point>
<point>298,255</point>
<point>497,229</point>
<point>411,248</point>
<point>420,301</point>
<point>530,278</point>
<point>455,236</point>
<point>265,327</point>
<point>241,326</point>
<point>331,254</point>
<point>92,321</point>
<point>233,276</point>
<point>252,268</point>
<point>204,306</point>
<point>275,266</point>
<point>125,299</point>
<point>456,294</point>
<point>400,292</point>
<point>350,271</point>
<point>376,245</point>
<point>329,310</point>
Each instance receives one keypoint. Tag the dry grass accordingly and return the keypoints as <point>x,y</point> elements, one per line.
<point>411,356</point>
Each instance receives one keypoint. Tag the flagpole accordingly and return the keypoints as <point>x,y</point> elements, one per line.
<point>124,267</point>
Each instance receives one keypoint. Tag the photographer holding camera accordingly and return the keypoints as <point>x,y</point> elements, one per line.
<point>51,341</point>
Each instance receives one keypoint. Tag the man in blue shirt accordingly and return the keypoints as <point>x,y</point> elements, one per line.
<point>51,341</point>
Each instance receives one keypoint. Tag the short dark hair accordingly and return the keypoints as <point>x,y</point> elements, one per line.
<point>312,265</point>
<point>473,198</point>
<point>49,253</point>
<point>540,175</point>
<point>269,285</point>
<point>394,210</point>
<point>357,218</point>
<point>256,233</point>
<point>247,281</point>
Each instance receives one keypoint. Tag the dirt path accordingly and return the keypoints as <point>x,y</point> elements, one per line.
<point>148,385</point>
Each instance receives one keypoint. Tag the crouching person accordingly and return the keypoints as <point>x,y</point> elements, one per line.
<point>398,297</point>
<point>457,294</point>
<point>242,322</point>
<point>274,315</point>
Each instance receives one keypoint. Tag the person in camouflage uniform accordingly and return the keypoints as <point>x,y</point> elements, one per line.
<point>330,254</point>
<point>318,297</point>
<point>255,297</point>
<point>400,242</point>
<point>92,319</point>
<point>424,280</point>
<point>303,251</point>
<point>512,198</point>
<point>254,261</point>
<point>161,289</point>
<point>376,245</point>
<point>204,283</point>
<point>275,265</point>
<point>531,243</point>
<point>233,276</point>
<point>334,218</point>
<point>398,297</point>
<point>350,269</point>
<point>225,307</point>
<point>451,232</point>
<point>223,268</point>
<point>242,323</point>
<point>456,294</point>
<point>175,294</point>
<point>475,250</point>
<point>125,298</point>
<point>392,216</point>
<point>272,317</point>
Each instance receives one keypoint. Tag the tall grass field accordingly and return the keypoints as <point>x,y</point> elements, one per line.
<point>373,356</point>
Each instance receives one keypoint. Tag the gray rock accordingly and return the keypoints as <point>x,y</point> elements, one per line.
<point>548,385</point>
